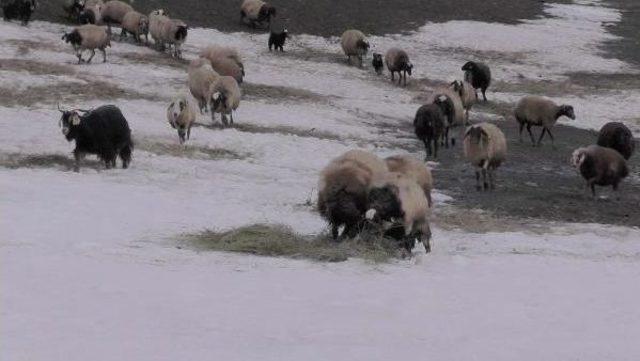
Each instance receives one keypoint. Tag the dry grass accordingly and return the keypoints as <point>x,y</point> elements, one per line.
<point>275,93</point>
<point>481,221</point>
<point>187,151</point>
<point>65,162</point>
<point>277,129</point>
<point>281,241</point>
<point>155,58</point>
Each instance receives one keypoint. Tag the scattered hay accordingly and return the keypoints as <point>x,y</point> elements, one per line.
<point>158,59</point>
<point>281,241</point>
<point>278,129</point>
<point>452,218</point>
<point>275,93</point>
<point>65,162</point>
<point>187,151</point>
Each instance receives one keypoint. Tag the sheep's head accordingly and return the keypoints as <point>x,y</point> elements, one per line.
<point>69,120</point>
<point>477,135</point>
<point>384,204</point>
<point>377,57</point>
<point>408,67</point>
<point>159,12</point>
<point>578,157</point>
<point>363,45</point>
<point>567,110</point>
<point>175,109</point>
<point>469,66</point>
<point>457,87</point>
<point>73,37</point>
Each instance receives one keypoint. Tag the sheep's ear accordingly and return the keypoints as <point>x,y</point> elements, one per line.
<point>75,119</point>
<point>215,96</point>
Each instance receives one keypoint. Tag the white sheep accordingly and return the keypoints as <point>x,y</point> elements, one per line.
<point>225,98</point>
<point>88,37</point>
<point>485,147</point>
<point>467,94</point>
<point>157,18</point>
<point>181,116</point>
<point>412,168</point>
<point>399,197</point>
<point>137,24</point>
<point>201,79</point>
<point>397,60</point>
<point>600,166</point>
<point>354,43</point>
<point>535,110</point>
<point>257,12</point>
<point>174,32</point>
<point>225,60</point>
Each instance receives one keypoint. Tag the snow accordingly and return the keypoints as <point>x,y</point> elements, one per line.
<point>89,265</point>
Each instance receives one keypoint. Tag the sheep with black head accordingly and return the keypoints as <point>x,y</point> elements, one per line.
<point>19,9</point>
<point>479,75</point>
<point>600,166</point>
<point>88,37</point>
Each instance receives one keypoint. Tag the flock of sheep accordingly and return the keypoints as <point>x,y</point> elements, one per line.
<point>357,189</point>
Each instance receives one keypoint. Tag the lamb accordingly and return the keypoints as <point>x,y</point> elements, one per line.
<point>136,24</point>
<point>377,63</point>
<point>225,60</point>
<point>201,79</point>
<point>398,61</point>
<point>451,104</point>
<point>181,116</point>
<point>600,166</point>
<point>257,12</point>
<point>413,169</point>
<point>225,98</point>
<point>535,110</point>
<point>485,147</point>
<point>113,12</point>
<point>277,38</point>
<point>467,94</point>
<point>429,126</point>
<point>174,32</point>
<point>397,196</point>
<point>343,190</point>
<point>479,75</point>
<point>89,37</point>
<point>354,43</point>
<point>103,131</point>
<point>157,18</point>
<point>18,9</point>
<point>617,136</point>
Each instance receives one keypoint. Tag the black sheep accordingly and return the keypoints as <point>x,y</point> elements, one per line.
<point>18,9</point>
<point>617,136</point>
<point>479,75</point>
<point>377,63</point>
<point>103,131</point>
<point>429,126</point>
<point>277,38</point>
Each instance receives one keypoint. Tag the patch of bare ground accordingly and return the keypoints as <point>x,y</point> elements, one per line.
<point>25,46</point>
<point>275,93</point>
<point>453,218</point>
<point>60,161</point>
<point>154,58</point>
<point>187,151</point>
<point>277,129</point>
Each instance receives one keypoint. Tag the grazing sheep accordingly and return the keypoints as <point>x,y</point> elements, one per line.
<point>225,98</point>
<point>181,117</point>
<point>485,147</point>
<point>73,8</point>
<point>136,24</point>
<point>256,12</point>
<point>157,18</point>
<point>414,169</point>
<point>18,9</point>
<point>535,110</point>
<point>277,38</point>
<point>343,190</point>
<point>113,12</point>
<point>174,32</point>
<point>451,105</point>
<point>201,79</point>
<point>467,94</point>
<point>479,75</point>
<point>354,43</point>
<point>88,37</point>
<point>225,60</point>
<point>617,136</point>
<point>398,61</point>
<point>429,125</point>
<point>103,131</point>
<point>600,166</point>
<point>398,197</point>
<point>377,63</point>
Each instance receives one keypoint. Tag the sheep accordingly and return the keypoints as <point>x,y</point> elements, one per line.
<point>73,8</point>
<point>113,12</point>
<point>451,105</point>
<point>485,147</point>
<point>600,166</point>
<point>398,61</point>
<point>398,197</point>
<point>479,75</point>
<point>181,116</point>
<point>91,15</point>
<point>90,3</point>
<point>18,9</point>
<point>225,60</point>
<point>377,63</point>
<point>429,126</point>
<point>257,12</point>
<point>467,94</point>
<point>225,98</point>
<point>414,169</point>
<point>103,131</point>
<point>88,37</point>
<point>617,136</point>
<point>136,24</point>
<point>354,43</point>
<point>157,18</point>
<point>174,32</point>
<point>535,110</point>
<point>343,190</point>
<point>277,38</point>
<point>201,79</point>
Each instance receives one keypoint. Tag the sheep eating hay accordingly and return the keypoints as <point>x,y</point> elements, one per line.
<point>600,166</point>
<point>413,169</point>
<point>485,147</point>
<point>535,110</point>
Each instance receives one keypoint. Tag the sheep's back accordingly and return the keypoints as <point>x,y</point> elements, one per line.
<point>229,86</point>
<point>349,42</point>
<point>115,10</point>
<point>93,36</point>
<point>617,136</point>
<point>412,168</point>
<point>131,21</point>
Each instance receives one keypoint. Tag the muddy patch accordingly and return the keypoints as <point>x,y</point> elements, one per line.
<point>59,161</point>
<point>156,59</point>
<point>277,94</point>
<point>37,67</point>
<point>187,151</point>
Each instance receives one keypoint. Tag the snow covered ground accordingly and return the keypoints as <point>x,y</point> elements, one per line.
<point>88,263</point>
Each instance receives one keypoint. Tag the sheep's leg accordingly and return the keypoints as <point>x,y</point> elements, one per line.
<point>77,155</point>
<point>478,180</point>
<point>425,238</point>
<point>334,232</point>
<point>446,138</point>
<point>435,148</point>
<point>104,55</point>
<point>189,132</point>
<point>392,75</point>
<point>231,116</point>
<point>533,141</point>
<point>123,33</point>
<point>93,53</point>
<point>484,95</point>
<point>484,179</point>
<point>466,121</point>
<point>492,185</point>
<point>79,55</point>
<point>427,148</point>
<point>521,129</point>
<point>541,136</point>
<point>224,119</point>
<point>553,143</point>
